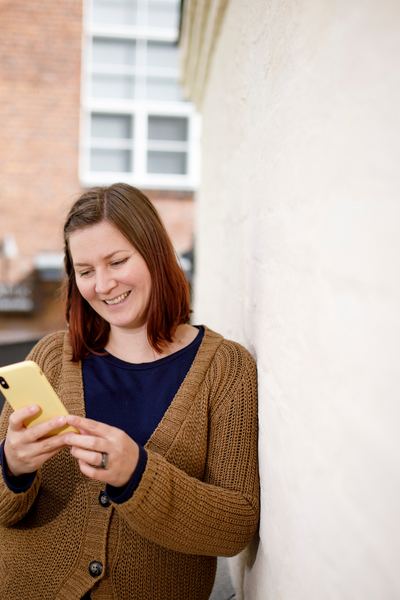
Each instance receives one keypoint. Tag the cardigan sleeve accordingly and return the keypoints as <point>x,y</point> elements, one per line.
<point>217,514</point>
<point>15,505</point>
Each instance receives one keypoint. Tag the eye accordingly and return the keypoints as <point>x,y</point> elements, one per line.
<point>117,263</point>
<point>85,273</point>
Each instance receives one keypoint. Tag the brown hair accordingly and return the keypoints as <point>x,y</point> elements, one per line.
<point>130,212</point>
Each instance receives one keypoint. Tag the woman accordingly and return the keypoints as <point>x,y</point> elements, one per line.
<point>162,477</point>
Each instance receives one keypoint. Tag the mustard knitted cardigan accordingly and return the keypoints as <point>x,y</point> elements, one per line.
<point>198,497</point>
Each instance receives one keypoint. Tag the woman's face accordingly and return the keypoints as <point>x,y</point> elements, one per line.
<point>111,275</point>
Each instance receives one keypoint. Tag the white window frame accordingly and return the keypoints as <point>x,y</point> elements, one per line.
<point>140,110</point>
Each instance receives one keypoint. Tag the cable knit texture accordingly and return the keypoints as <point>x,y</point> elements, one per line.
<point>198,497</point>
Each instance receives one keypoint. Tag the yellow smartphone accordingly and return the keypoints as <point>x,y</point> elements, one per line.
<point>23,384</point>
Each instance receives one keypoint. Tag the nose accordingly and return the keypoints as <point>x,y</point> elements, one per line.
<point>105,282</point>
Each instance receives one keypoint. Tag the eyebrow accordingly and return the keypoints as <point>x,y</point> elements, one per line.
<point>105,257</point>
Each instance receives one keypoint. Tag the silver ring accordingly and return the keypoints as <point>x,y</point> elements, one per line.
<point>104,462</point>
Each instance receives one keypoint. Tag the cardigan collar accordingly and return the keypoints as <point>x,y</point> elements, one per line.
<point>70,390</point>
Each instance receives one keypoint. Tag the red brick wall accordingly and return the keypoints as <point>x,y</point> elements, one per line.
<point>40,71</point>
<point>177,212</point>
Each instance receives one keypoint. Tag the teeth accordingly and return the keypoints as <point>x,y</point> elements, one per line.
<point>117,300</point>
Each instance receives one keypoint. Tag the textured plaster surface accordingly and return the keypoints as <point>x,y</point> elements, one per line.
<point>298,251</point>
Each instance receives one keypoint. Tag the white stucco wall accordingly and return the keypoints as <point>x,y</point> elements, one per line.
<point>298,246</point>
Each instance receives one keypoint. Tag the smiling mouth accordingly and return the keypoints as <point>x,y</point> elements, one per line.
<point>117,300</point>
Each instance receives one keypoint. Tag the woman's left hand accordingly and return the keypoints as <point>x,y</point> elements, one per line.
<point>97,438</point>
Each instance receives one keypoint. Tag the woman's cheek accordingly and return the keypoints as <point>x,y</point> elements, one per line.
<point>84,289</point>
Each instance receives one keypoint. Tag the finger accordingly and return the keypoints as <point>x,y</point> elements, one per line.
<point>90,426</point>
<point>92,458</point>
<point>86,442</point>
<point>36,432</point>
<point>83,431</point>
<point>52,444</point>
<point>26,458</point>
<point>90,471</point>
<point>39,460</point>
<point>16,420</point>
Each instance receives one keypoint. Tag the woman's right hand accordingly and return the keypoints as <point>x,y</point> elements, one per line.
<point>24,450</point>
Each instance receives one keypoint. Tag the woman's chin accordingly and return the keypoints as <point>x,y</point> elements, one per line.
<point>128,324</point>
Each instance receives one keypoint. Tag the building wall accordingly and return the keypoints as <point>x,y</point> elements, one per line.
<point>40,65</point>
<point>298,258</point>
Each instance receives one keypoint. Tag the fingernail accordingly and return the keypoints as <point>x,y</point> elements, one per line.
<point>61,421</point>
<point>67,439</point>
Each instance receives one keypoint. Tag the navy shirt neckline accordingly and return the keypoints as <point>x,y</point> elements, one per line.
<point>160,362</point>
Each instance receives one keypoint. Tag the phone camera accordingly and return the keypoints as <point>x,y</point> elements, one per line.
<point>4,383</point>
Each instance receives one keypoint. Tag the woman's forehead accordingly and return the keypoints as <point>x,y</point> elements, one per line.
<point>100,239</point>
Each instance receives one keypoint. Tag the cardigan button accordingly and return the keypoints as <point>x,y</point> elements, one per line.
<point>104,499</point>
<point>95,568</point>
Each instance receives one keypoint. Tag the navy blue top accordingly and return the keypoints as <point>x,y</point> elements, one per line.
<point>131,397</point>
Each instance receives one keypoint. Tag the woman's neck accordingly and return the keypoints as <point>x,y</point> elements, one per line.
<point>133,345</point>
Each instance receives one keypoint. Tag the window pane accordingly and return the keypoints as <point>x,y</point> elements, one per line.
<point>162,54</point>
<point>172,163</point>
<point>163,89</point>
<point>113,52</point>
<point>113,86</point>
<point>110,160</point>
<point>115,12</point>
<point>111,126</point>
<point>163,14</point>
<point>168,128</point>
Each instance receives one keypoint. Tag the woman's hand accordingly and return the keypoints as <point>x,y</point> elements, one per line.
<point>24,449</point>
<point>96,438</point>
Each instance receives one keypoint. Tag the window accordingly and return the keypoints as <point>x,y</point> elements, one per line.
<point>167,145</point>
<point>111,147</point>
<point>136,124</point>
<point>151,13</point>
